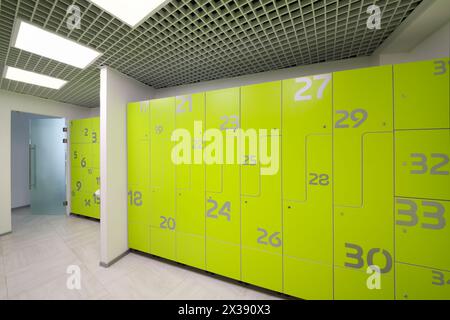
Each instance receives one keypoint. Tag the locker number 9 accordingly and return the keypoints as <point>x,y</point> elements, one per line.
<point>308,81</point>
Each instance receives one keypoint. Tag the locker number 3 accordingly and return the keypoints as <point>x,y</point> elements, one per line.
<point>301,95</point>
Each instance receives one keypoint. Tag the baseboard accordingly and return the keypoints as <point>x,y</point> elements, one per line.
<point>6,233</point>
<point>109,264</point>
<point>22,207</point>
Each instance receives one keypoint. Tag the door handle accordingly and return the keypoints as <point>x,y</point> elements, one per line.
<point>32,166</point>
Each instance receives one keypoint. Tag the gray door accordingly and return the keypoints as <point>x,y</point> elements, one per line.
<point>47,166</point>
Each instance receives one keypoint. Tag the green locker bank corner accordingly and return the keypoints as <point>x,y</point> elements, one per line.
<point>363,186</point>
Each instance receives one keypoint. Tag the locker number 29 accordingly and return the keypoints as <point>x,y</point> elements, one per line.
<point>301,95</point>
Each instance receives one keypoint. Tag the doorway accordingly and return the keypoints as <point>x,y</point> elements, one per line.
<point>38,160</point>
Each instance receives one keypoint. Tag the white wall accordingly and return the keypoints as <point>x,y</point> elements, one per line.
<point>116,91</point>
<point>17,102</point>
<point>94,112</point>
<point>437,45</point>
<point>20,138</point>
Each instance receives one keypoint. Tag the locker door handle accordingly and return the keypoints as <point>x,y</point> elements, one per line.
<point>32,166</point>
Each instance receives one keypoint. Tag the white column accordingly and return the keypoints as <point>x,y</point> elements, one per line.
<point>116,91</point>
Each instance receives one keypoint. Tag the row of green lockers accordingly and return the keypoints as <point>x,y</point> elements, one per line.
<point>85,167</point>
<point>364,180</point>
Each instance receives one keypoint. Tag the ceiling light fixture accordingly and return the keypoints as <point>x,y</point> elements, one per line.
<point>132,12</point>
<point>33,78</point>
<point>36,40</point>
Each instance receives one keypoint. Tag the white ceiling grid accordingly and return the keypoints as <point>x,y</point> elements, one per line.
<point>189,41</point>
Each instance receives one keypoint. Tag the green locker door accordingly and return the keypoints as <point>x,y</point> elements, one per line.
<point>261,194</point>
<point>418,283</point>
<point>95,142</point>
<point>307,187</point>
<point>81,155</point>
<point>422,164</point>
<point>422,232</point>
<point>422,95</point>
<point>85,165</point>
<point>79,186</point>
<point>363,182</point>
<point>162,179</point>
<point>190,180</point>
<point>223,216</point>
<point>80,131</point>
<point>138,142</point>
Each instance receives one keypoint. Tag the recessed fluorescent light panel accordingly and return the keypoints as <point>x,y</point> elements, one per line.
<point>33,39</point>
<point>33,78</point>
<point>132,12</point>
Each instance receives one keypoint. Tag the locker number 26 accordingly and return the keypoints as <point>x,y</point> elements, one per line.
<point>273,240</point>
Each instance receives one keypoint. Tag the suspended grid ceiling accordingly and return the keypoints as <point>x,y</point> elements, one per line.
<point>189,41</point>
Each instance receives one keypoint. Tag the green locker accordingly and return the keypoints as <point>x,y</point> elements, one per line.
<point>328,216</point>
<point>85,166</point>
<point>139,218</point>
<point>422,95</point>
<point>307,187</point>
<point>262,239</point>
<point>138,142</point>
<point>422,232</point>
<point>190,185</point>
<point>418,283</point>
<point>80,131</point>
<point>422,164</point>
<point>81,155</point>
<point>363,182</point>
<point>162,179</point>
<point>223,213</point>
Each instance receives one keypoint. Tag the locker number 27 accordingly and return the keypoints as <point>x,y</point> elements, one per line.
<point>300,95</point>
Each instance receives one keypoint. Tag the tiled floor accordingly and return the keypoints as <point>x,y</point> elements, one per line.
<point>34,259</point>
